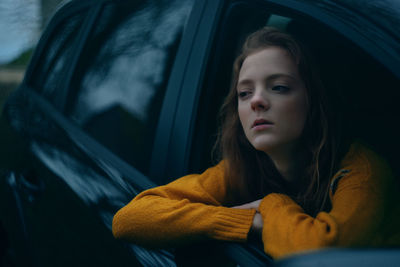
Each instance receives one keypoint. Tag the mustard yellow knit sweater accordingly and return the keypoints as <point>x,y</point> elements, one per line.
<point>365,212</point>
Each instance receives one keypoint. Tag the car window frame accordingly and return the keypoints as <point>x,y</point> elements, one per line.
<point>171,159</point>
<point>345,26</point>
<point>62,14</point>
<point>175,129</point>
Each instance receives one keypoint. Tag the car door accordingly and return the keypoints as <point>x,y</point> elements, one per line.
<point>85,117</point>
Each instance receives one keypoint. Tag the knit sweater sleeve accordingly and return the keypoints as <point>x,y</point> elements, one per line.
<point>358,208</point>
<point>185,210</point>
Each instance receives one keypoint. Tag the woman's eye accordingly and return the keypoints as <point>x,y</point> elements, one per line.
<point>280,88</point>
<point>243,94</point>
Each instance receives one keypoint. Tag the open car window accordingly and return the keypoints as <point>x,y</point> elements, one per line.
<point>352,76</point>
<point>363,88</point>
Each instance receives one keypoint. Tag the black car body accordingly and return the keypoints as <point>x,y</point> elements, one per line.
<point>122,95</point>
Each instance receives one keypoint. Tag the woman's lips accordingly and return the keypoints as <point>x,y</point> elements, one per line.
<point>261,124</point>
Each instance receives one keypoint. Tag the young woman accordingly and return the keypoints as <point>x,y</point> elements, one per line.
<point>286,175</point>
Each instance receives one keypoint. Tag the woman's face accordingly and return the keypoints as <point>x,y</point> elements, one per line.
<point>272,100</point>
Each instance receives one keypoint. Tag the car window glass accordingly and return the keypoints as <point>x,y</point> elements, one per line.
<point>119,86</point>
<point>54,60</point>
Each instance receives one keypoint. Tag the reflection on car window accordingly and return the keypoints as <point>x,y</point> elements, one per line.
<point>55,57</point>
<point>123,75</point>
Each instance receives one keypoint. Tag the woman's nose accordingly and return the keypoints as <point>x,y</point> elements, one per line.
<point>259,101</point>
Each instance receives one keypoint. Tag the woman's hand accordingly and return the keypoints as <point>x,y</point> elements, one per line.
<point>250,205</point>
<point>256,227</point>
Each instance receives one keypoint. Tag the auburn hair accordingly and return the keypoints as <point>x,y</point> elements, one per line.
<point>251,174</point>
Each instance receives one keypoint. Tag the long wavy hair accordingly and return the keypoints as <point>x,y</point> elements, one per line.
<point>250,173</point>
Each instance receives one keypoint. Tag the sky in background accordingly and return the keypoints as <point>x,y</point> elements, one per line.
<point>19,27</point>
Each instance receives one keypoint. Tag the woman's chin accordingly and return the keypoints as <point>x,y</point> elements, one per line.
<point>265,146</point>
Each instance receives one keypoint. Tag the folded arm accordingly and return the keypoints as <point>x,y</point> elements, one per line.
<point>359,206</point>
<point>186,210</point>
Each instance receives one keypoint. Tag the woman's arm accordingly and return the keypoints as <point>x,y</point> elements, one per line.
<point>185,210</point>
<point>357,217</point>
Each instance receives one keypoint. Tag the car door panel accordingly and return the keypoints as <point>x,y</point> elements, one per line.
<point>67,198</point>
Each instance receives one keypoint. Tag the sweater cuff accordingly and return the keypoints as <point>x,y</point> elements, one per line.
<point>232,224</point>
